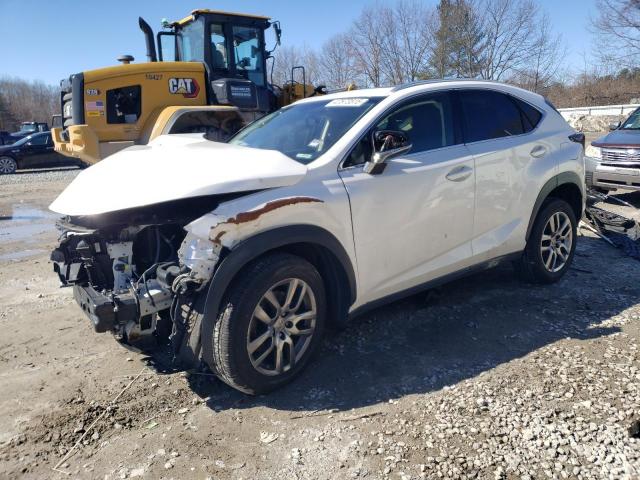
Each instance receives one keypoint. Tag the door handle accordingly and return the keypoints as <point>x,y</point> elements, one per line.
<point>538,151</point>
<point>459,173</point>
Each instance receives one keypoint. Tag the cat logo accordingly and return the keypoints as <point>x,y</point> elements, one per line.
<point>187,87</point>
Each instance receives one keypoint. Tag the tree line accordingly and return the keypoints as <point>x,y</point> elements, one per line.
<point>406,40</point>
<point>22,101</point>
<point>513,41</point>
<point>388,44</point>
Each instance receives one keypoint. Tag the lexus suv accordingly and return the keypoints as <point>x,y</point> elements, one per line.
<point>240,254</point>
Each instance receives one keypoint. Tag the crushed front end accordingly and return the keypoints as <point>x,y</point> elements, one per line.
<point>131,271</point>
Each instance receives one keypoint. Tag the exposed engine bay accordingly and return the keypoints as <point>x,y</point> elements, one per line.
<point>131,270</point>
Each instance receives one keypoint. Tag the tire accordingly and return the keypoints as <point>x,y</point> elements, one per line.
<point>238,330</point>
<point>539,266</point>
<point>7,165</point>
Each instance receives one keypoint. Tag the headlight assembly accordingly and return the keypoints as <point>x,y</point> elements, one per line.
<point>593,152</point>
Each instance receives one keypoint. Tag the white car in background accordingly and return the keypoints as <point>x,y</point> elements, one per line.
<point>246,251</point>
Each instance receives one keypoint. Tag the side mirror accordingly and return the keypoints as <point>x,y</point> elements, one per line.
<point>614,126</point>
<point>278,32</point>
<point>387,144</point>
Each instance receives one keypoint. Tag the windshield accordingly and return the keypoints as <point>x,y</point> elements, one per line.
<point>633,122</point>
<point>28,128</point>
<point>304,131</point>
<point>191,41</point>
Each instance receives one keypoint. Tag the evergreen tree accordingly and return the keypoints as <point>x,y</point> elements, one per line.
<point>458,40</point>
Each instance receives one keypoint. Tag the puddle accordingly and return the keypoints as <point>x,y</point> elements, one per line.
<point>23,212</point>
<point>23,224</point>
<point>12,256</point>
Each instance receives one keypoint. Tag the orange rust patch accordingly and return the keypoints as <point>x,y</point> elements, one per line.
<point>245,217</point>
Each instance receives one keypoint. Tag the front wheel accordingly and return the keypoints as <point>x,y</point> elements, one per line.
<point>7,165</point>
<point>551,244</point>
<point>272,324</point>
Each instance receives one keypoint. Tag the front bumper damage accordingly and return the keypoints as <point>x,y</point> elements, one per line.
<point>128,280</point>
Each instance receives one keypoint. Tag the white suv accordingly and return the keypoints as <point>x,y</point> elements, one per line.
<point>241,254</point>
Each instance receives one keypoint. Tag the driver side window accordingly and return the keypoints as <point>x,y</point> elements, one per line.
<point>427,121</point>
<point>218,47</point>
<point>39,140</point>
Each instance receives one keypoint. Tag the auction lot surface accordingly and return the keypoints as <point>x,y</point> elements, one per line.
<point>484,378</point>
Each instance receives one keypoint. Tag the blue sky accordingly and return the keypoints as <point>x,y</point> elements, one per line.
<point>48,40</point>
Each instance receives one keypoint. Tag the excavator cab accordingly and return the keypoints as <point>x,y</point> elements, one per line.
<point>232,48</point>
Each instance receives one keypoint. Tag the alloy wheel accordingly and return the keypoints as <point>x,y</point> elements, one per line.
<point>556,243</point>
<point>7,165</point>
<point>282,327</point>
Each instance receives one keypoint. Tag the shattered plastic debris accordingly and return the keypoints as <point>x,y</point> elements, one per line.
<point>620,231</point>
<point>266,437</point>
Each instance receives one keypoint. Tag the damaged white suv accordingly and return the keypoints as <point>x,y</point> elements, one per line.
<point>241,254</point>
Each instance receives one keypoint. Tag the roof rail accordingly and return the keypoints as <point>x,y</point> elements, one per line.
<point>402,86</point>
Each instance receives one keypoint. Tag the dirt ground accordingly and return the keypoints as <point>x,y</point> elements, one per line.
<point>486,377</point>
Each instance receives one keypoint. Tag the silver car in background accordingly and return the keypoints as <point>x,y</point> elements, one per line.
<point>613,160</point>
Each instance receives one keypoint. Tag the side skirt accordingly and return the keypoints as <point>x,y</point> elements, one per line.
<point>436,282</point>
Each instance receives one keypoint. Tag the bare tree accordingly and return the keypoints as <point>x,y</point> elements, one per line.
<point>406,41</point>
<point>26,101</point>
<point>310,60</point>
<point>510,27</point>
<point>617,29</point>
<point>288,57</point>
<point>337,63</point>
<point>366,44</point>
<point>546,53</point>
<point>285,58</point>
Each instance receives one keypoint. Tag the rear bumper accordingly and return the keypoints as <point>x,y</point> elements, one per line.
<point>610,177</point>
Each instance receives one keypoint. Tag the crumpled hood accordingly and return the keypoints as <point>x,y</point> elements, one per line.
<point>174,167</point>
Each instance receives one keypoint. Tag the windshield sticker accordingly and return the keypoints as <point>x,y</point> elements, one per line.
<point>304,156</point>
<point>347,102</point>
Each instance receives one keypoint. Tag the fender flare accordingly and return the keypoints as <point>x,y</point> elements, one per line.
<point>250,249</point>
<point>547,188</point>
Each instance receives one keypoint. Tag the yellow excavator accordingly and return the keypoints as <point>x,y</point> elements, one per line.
<point>208,74</point>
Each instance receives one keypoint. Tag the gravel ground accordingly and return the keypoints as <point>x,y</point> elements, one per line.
<point>37,177</point>
<point>484,378</point>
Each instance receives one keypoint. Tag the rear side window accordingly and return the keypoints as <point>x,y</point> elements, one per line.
<point>530,115</point>
<point>489,115</point>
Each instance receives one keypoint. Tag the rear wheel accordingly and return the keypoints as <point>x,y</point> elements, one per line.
<point>271,325</point>
<point>552,243</point>
<point>7,165</point>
